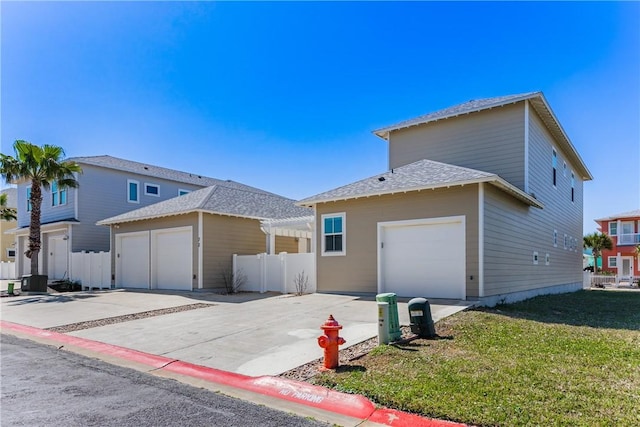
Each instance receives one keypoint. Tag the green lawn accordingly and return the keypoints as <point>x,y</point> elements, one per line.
<point>570,360</point>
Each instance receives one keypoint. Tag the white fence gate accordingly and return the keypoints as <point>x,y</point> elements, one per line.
<point>8,270</point>
<point>278,273</point>
<point>91,269</point>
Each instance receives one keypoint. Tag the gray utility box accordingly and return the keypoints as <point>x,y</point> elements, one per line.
<point>420,317</point>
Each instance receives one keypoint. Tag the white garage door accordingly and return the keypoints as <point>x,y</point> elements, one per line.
<point>132,260</point>
<point>172,263</point>
<point>423,258</point>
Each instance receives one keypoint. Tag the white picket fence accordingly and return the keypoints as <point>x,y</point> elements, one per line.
<point>91,269</point>
<point>7,270</point>
<point>275,273</point>
<point>608,280</point>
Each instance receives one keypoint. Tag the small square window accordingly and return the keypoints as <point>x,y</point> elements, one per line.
<point>535,258</point>
<point>612,261</point>
<point>555,238</point>
<point>151,190</point>
<point>613,229</point>
<point>547,259</point>
<point>11,253</point>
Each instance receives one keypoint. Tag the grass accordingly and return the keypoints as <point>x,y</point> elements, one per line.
<point>571,359</point>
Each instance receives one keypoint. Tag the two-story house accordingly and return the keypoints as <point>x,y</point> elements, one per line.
<point>482,201</point>
<point>624,230</point>
<point>108,186</point>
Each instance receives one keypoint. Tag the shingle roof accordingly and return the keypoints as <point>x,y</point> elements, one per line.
<point>456,110</point>
<point>537,101</point>
<point>420,175</point>
<point>159,172</point>
<point>218,199</point>
<point>630,214</point>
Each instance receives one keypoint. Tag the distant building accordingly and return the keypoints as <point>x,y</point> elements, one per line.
<point>624,230</point>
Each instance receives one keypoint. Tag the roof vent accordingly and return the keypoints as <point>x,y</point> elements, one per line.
<point>382,178</point>
<point>146,167</point>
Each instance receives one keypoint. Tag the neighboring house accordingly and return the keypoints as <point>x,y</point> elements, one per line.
<point>8,247</point>
<point>108,186</point>
<point>483,201</point>
<point>187,243</point>
<point>624,230</point>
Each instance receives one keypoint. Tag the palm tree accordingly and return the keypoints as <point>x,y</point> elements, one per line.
<point>597,242</point>
<point>6,213</point>
<point>41,166</point>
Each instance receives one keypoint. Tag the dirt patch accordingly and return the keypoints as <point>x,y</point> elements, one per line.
<point>126,318</point>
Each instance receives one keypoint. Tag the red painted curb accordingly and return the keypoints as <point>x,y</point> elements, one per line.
<point>154,361</point>
<point>393,418</point>
<point>352,405</point>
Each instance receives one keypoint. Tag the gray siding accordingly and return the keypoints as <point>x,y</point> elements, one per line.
<point>102,194</point>
<point>357,270</point>
<point>513,231</point>
<point>49,213</point>
<point>490,141</point>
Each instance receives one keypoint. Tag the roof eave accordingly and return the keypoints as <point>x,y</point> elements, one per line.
<point>109,222</point>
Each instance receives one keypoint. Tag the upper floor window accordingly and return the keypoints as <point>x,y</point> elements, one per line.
<point>555,238</point>
<point>58,195</point>
<point>182,192</point>
<point>565,241</point>
<point>573,186</point>
<point>151,190</point>
<point>28,199</point>
<point>333,234</point>
<point>11,253</point>
<point>564,168</point>
<point>613,228</point>
<point>133,191</point>
<point>554,163</point>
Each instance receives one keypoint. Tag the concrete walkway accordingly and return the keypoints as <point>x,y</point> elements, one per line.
<point>250,334</point>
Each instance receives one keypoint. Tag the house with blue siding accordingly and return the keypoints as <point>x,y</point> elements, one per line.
<point>108,187</point>
<point>482,201</point>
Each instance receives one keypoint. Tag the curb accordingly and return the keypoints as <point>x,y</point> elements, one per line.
<point>351,405</point>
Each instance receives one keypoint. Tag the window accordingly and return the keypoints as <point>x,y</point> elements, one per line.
<point>612,261</point>
<point>547,259</point>
<point>565,241</point>
<point>573,186</point>
<point>28,199</point>
<point>564,168</point>
<point>554,163</point>
<point>133,191</point>
<point>333,234</point>
<point>151,190</point>
<point>11,253</point>
<point>182,192</point>
<point>613,229</point>
<point>555,238</point>
<point>535,258</point>
<point>58,195</point>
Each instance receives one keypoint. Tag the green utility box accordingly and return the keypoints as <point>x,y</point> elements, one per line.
<point>393,323</point>
<point>420,317</point>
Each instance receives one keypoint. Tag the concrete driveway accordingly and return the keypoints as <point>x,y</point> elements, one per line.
<point>251,334</point>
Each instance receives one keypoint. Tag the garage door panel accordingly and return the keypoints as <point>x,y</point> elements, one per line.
<point>423,259</point>
<point>132,260</point>
<point>172,258</point>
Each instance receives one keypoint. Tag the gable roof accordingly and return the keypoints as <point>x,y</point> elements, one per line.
<point>217,199</point>
<point>623,215</point>
<point>119,164</point>
<point>537,101</point>
<point>420,175</point>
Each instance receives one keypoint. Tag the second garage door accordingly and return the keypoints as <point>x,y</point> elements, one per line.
<point>423,258</point>
<point>172,263</point>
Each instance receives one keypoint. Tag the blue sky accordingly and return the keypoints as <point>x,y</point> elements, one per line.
<point>284,96</point>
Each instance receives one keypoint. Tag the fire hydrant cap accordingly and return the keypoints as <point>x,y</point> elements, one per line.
<point>331,323</point>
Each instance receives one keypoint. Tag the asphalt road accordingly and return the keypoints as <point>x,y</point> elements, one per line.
<point>44,386</point>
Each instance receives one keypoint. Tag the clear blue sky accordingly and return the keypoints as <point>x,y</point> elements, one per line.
<point>284,96</point>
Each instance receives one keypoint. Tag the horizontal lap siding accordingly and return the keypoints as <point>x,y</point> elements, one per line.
<point>513,231</point>
<point>490,140</point>
<point>286,244</point>
<point>223,237</point>
<point>357,270</point>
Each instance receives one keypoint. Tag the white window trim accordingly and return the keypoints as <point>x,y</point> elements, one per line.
<point>547,259</point>
<point>150,184</point>
<point>609,226</point>
<point>564,168</point>
<point>343,215</point>
<point>615,262</point>
<point>11,250</point>
<point>554,166</point>
<point>555,238</point>
<point>535,257</point>
<point>565,241</point>
<point>573,187</point>
<point>56,197</point>
<point>183,191</point>
<point>129,182</point>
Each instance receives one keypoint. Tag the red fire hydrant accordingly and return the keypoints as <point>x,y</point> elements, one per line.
<point>330,342</point>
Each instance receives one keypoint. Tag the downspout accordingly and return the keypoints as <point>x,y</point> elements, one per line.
<point>481,240</point>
